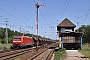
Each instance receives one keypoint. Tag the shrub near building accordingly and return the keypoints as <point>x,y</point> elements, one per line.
<point>60,54</point>
<point>86,50</point>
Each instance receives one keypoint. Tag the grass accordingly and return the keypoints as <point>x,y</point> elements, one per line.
<point>86,50</point>
<point>60,54</point>
<point>5,46</point>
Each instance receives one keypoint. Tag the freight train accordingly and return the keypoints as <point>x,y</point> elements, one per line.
<point>26,41</point>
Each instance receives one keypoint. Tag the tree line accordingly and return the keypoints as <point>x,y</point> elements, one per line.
<point>12,33</point>
<point>84,28</point>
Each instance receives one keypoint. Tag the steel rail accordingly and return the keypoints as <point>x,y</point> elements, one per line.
<point>49,54</point>
<point>37,55</point>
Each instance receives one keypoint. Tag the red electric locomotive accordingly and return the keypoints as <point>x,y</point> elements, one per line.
<point>22,41</point>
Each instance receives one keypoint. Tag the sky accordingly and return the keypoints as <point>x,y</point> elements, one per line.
<point>22,13</point>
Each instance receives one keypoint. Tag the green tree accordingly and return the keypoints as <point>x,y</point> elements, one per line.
<point>86,31</point>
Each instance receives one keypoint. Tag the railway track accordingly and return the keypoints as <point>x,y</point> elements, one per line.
<point>14,53</point>
<point>43,55</point>
<point>30,52</point>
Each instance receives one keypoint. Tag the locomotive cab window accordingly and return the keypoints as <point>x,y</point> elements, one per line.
<point>17,38</point>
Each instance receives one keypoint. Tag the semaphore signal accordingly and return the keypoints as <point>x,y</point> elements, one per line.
<point>37,6</point>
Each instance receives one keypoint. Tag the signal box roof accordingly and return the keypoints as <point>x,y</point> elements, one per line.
<point>66,23</point>
<point>70,33</point>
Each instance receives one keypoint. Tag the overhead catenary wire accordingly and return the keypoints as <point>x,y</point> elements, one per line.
<point>47,12</point>
<point>86,14</point>
<point>79,17</point>
<point>62,12</point>
<point>12,15</point>
<point>49,17</point>
<point>16,10</point>
<point>14,25</point>
<point>44,18</point>
<point>64,8</point>
<point>52,28</point>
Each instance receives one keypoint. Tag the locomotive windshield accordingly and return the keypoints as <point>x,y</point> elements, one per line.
<point>17,38</point>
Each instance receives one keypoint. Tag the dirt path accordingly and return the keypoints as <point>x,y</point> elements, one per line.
<point>75,55</point>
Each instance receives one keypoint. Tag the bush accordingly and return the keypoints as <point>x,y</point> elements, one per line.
<point>3,41</point>
<point>85,50</point>
<point>5,46</point>
<point>60,54</point>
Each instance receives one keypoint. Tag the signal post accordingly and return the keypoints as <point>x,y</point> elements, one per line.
<point>37,6</point>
